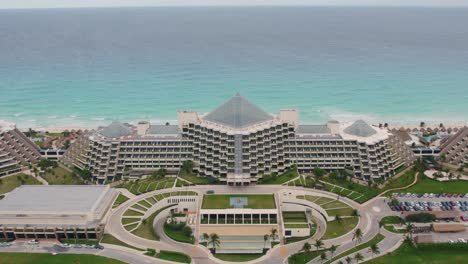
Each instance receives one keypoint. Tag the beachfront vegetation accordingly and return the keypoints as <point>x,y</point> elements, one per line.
<point>374,241</point>
<point>254,201</point>
<point>8,184</point>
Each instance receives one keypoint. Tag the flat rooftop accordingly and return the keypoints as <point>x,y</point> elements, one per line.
<point>47,199</point>
<point>226,201</point>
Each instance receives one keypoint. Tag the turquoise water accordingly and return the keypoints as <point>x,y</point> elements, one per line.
<point>84,67</point>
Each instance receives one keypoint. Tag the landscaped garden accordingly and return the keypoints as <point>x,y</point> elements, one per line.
<point>369,243</point>
<point>237,257</point>
<point>254,201</point>
<point>61,176</point>
<point>275,178</point>
<point>333,207</point>
<point>193,178</point>
<point>340,227</point>
<point>110,239</point>
<point>179,232</point>
<point>120,200</point>
<point>148,185</point>
<point>425,253</point>
<point>145,229</point>
<point>8,184</point>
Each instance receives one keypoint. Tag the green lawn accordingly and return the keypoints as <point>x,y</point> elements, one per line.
<point>237,257</point>
<point>302,257</point>
<point>181,183</point>
<point>146,230</point>
<point>427,185</point>
<point>132,213</point>
<point>389,221</point>
<point>120,200</point>
<point>193,178</point>
<point>339,228</point>
<point>178,235</point>
<point>61,176</point>
<point>148,185</point>
<point>294,217</point>
<point>174,256</point>
<point>368,192</point>
<point>369,243</point>
<point>7,184</point>
<point>110,239</point>
<point>425,253</point>
<point>282,178</point>
<point>255,201</point>
<point>33,258</point>
<point>296,226</point>
<point>129,220</point>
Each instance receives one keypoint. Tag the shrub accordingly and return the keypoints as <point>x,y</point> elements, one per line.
<point>421,218</point>
<point>187,231</point>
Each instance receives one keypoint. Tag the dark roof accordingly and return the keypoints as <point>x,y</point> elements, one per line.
<point>360,129</point>
<point>116,130</point>
<point>162,129</point>
<point>238,112</point>
<point>313,129</point>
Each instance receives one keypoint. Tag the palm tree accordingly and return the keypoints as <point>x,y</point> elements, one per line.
<point>323,257</point>
<point>333,248</point>
<point>409,230</point>
<point>348,259</point>
<point>357,235</point>
<point>318,244</point>
<point>214,240</point>
<point>265,238</point>
<point>381,224</point>
<point>375,249</point>
<point>273,232</point>
<point>206,237</point>
<point>306,248</point>
<point>358,257</point>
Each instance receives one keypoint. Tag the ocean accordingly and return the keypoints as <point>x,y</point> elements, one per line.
<point>87,67</point>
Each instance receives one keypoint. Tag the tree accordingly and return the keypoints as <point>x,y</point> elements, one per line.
<point>348,259</point>
<point>187,166</point>
<point>357,235</point>
<point>187,231</point>
<point>340,262</point>
<point>375,249</point>
<point>66,144</point>
<point>85,174</point>
<point>273,232</point>
<point>338,218</point>
<point>358,257</point>
<point>205,237</point>
<point>333,249</point>
<point>318,172</point>
<point>409,230</point>
<point>265,239</point>
<point>318,244</point>
<point>323,257</point>
<point>381,224</point>
<point>306,248</point>
<point>355,213</point>
<point>214,241</point>
<point>422,124</point>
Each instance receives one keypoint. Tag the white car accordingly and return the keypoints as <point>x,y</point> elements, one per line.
<point>33,242</point>
<point>451,241</point>
<point>462,240</point>
<point>65,245</point>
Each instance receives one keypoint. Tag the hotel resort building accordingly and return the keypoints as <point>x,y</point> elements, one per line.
<point>455,148</point>
<point>55,211</point>
<point>15,149</point>
<point>238,143</point>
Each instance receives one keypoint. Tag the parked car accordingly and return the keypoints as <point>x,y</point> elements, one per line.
<point>33,242</point>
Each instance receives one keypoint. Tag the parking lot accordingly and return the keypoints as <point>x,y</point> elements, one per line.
<point>410,202</point>
<point>46,246</point>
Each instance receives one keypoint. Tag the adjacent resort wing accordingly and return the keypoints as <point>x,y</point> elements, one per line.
<point>237,143</point>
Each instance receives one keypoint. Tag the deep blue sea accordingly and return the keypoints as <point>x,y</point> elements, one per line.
<point>83,67</point>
